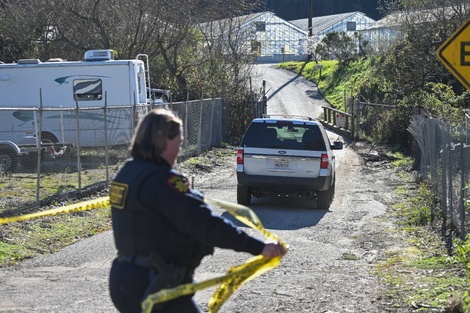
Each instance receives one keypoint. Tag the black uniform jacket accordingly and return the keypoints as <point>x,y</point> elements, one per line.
<point>155,210</point>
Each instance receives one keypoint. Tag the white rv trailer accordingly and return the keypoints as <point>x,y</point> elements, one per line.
<point>71,95</point>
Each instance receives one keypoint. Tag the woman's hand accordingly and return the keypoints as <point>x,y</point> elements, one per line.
<point>273,249</point>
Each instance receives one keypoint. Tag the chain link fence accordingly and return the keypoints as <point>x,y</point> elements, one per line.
<point>445,166</point>
<point>203,120</point>
<point>45,160</point>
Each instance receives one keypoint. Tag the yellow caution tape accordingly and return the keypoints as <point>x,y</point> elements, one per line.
<point>102,202</point>
<point>235,277</point>
<point>239,275</point>
<point>229,283</point>
<point>244,215</point>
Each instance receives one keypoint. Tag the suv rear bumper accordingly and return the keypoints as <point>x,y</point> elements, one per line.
<point>276,183</point>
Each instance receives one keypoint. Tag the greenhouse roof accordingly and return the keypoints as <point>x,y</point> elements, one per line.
<point>322,23</point>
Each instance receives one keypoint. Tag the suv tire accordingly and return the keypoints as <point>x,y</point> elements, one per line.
<point>325,198</point>
<point>243,195</point>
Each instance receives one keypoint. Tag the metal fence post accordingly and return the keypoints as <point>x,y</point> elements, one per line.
<point>79,167</point>
<point>462,189</point>
<point>265,99</point>
<point>38,129</point>
<point>106,146</point>
<point>199,133</point>
<point>186,126</point>
<point>358,118</point>
<point>254,108</point>
<point>353,118</point>
<point>445,188</point>
<point>450,184</point>
<point>211,123</point>
<point>430,149</point>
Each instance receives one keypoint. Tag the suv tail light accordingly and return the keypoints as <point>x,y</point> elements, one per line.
<point>324,161</point>
<point>240,156</point>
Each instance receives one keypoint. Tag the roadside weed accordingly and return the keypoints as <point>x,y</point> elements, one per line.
<point>422,275</point>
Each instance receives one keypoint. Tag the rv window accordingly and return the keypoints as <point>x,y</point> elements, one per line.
<point>88,89</point>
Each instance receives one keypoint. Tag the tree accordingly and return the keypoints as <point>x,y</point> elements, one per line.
<point>410,72</point>
<point>339,45</point>
<point>23,26</point>
<point>167,31</point>
<point>425,25</point>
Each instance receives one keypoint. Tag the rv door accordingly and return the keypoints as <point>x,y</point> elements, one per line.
<point>142,85</point>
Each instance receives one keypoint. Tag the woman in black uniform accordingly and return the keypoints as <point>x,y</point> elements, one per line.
<point>163,228</point>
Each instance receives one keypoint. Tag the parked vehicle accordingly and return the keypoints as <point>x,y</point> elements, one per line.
<point>286,156</point>
<point>57,88</point>
<point>159,97</point>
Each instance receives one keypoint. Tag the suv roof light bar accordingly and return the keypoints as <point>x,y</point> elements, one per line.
<point>288,116</point>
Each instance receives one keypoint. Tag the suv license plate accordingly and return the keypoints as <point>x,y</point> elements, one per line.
<point>281,164</point>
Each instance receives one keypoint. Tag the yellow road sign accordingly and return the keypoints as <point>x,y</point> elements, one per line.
<point>455,54</point>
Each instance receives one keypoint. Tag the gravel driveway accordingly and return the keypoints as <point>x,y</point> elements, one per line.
<point>330,264</point>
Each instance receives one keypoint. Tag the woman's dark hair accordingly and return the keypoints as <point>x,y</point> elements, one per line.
<point>152,133</point>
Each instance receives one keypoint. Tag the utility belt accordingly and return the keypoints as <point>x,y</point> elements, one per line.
<point>164,275</point>
<point>154,263</point>
<point>136,260</point>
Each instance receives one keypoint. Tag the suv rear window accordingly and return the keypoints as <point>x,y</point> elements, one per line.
<point>285,135</point>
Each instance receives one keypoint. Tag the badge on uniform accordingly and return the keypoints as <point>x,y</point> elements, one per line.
<point>179,183</point>
<point>118,194</point>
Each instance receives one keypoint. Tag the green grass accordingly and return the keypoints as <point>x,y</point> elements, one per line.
<point>401,160</point>
<point>423,281</point>
<point>335,83</point>
<point>421,275</point>
<point>28,239</point>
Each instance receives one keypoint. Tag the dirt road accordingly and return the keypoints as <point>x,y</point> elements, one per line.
<point>329,267</point>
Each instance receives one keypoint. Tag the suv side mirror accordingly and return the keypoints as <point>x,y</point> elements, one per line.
<point>337,145</point>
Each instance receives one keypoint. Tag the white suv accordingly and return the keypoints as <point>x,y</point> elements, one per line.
<point>286,156</point>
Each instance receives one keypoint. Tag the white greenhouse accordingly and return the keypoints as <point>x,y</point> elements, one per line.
<point>264,35</point>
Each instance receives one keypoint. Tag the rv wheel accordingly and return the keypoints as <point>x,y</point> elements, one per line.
<point>8,160</point>
<point>47,137</point>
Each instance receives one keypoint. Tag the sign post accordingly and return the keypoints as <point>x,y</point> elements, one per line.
<point>455,54</point>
